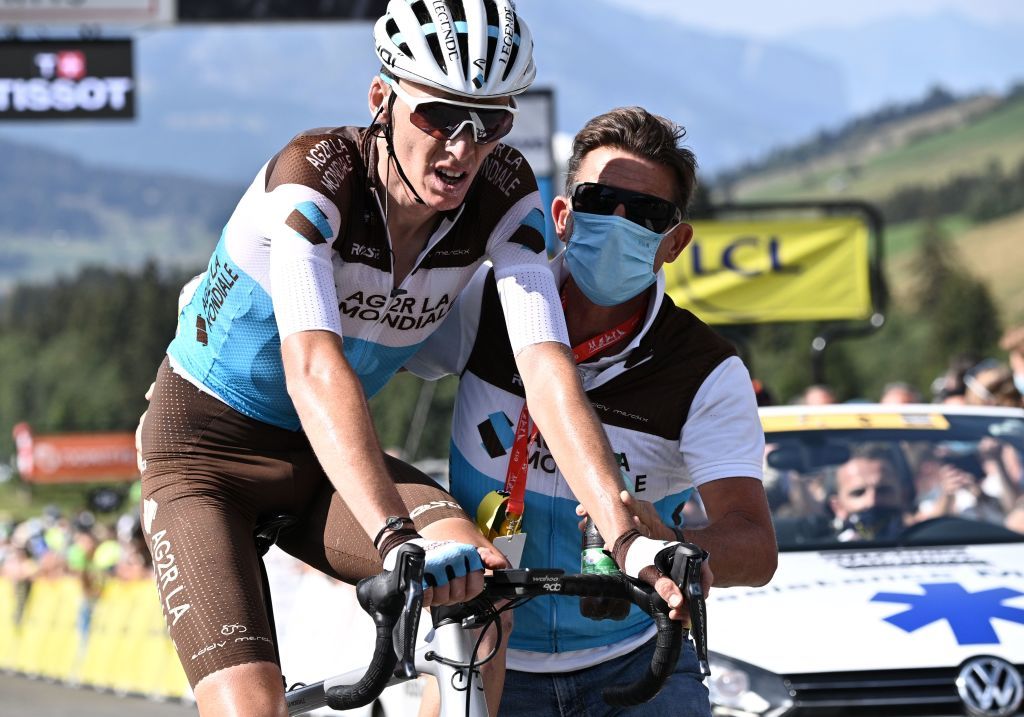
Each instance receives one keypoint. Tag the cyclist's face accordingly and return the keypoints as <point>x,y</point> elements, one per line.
<point>440,170</point>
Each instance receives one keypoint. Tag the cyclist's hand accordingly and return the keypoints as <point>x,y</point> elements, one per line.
<point>453,572</point>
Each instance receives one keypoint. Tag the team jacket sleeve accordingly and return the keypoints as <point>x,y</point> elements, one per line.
<point>447,350</point>
<point>722,436</point>
<point>526,286</point>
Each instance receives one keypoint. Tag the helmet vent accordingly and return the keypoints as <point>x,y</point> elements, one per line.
<point>493,28</point>
<point>516,40</point>
<point>392,30</point>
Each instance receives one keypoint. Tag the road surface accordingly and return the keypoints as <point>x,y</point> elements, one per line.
<point>24,697</point>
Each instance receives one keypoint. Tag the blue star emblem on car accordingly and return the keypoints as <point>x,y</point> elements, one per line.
<point>969,615</point>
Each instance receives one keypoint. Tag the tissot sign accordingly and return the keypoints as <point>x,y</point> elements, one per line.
<point>66,80</point>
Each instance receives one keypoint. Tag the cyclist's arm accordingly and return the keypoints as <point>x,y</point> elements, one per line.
<point>335,416</point>
<point>723,446</point>
<point>554,392</point>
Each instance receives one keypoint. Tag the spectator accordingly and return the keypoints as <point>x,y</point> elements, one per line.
<point>991,383</point>
<point>900,392</point>
<point>949,387</point>
<point>1012,343</point>
<point>949,484</point>
<point>818,395</point>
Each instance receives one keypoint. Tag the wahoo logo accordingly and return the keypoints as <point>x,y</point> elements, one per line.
<point>310,223</point>
<point>496,434</point>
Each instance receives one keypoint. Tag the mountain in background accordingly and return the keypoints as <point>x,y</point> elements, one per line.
<point>217,101</point>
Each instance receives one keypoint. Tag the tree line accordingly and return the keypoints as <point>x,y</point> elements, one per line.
<point>79,354</point>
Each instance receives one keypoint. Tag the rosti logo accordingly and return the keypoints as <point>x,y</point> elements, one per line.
<point>53,80</point>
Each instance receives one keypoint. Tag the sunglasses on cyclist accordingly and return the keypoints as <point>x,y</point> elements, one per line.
<point>654,213</point>
<point>444,119</point>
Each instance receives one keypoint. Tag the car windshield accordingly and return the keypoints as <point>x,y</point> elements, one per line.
<point>894,479</point>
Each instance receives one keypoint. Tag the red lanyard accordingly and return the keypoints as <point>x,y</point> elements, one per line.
<point>515,476</point>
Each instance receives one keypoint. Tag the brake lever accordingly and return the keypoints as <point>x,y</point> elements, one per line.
<point>410,586</point>
<point>685,571</point>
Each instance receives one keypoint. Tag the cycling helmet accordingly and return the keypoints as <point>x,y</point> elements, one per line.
<point>470,48</point>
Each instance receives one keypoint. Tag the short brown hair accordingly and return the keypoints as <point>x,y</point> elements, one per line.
<point>637,131</point>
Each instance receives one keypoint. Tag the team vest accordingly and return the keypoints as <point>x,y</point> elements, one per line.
<point>643,404</point>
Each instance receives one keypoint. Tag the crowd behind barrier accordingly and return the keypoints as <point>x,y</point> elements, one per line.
<point>78,605</point>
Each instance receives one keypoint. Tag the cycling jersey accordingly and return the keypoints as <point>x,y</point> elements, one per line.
<point>307,248</point>
<point>679,410</point>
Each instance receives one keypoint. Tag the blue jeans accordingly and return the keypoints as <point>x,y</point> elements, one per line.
<point>578,694</point>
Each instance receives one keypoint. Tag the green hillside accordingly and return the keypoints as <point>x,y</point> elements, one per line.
<point>960,166</point>
<point>953,143</point>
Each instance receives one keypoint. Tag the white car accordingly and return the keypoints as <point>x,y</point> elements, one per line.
<point>900,587</point>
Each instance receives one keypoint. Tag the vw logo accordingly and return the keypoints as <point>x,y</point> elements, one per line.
<point>989,687</point>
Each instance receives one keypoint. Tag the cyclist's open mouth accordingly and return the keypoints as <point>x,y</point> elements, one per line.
<point>450,179</point>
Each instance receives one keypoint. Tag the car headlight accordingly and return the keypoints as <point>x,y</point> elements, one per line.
<point>741,690</point>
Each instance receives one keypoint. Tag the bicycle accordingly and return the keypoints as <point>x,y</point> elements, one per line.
<point>394,600</point>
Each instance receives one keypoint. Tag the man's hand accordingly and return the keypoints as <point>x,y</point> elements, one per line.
<point>650,525</point>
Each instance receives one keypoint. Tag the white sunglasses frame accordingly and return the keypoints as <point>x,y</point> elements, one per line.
<point>414,101</point>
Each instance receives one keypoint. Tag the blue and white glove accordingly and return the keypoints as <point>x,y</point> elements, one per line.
<point>446,560</point>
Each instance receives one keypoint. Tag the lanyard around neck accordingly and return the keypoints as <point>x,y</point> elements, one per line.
<point>515,475</point>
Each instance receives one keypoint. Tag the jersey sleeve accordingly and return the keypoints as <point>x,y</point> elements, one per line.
<point>722,436</point>
<point>526,286</point>
<point>307,185</point>
<point>447,350</point>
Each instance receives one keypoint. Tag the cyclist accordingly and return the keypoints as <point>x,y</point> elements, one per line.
<point>675,399</point>
<point>343,255</point>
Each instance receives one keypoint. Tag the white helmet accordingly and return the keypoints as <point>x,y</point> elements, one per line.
<point>471,48</point>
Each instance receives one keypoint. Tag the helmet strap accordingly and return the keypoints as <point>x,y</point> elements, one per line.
<point>389,143</point>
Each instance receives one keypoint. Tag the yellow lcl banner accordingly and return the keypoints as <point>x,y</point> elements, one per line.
<point>768,271</point>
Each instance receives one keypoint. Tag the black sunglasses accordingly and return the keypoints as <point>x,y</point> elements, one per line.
<point>654,213</point>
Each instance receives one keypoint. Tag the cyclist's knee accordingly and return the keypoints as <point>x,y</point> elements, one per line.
<point>252,689</point>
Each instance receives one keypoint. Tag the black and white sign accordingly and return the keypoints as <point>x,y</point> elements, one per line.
<point>74,79</point>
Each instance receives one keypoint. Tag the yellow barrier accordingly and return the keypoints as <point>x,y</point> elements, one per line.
<point>126,650</point>
<point>8,630</point>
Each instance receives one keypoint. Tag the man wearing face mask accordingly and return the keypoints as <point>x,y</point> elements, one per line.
<point>867,500</point>
<point>676,402</point>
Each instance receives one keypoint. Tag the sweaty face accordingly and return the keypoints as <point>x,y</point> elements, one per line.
<point>862,484</point>
<point>440,171</point>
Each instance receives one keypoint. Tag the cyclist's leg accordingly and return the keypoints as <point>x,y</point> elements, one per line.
<point>199,508</point>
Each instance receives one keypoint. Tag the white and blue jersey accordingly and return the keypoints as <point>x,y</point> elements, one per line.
<point>679,410</point>
<point>307,248</point>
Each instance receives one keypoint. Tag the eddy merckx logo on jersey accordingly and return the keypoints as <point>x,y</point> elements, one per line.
<point>66,80</point>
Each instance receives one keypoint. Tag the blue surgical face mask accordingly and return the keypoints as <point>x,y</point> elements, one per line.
<point>610,258</point>
<point>1018,381</point>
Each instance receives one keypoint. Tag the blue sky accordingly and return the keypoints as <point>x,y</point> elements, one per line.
<point>782,17</point>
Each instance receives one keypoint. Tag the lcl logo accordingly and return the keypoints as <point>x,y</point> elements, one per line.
<point>990,687</point>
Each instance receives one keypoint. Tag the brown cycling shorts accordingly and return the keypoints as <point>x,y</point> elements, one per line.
<point>210,475</point>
